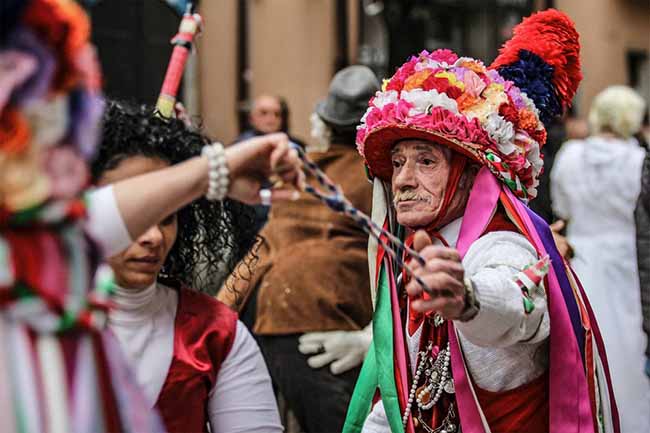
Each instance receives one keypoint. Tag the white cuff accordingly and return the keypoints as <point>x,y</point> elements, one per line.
<point>104,223</point>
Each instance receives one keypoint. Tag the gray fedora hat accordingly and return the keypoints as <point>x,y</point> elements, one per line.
<point>349,93</point>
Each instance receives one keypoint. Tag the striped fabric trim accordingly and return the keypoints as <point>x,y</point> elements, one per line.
<point>530,280</point>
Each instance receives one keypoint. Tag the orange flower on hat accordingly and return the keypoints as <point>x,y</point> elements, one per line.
<point>415,81</point>
<point>466,101</point>
<point>14,132</point>
<point>64,26</point>
<point>527,120</point>
<point>473,66</point>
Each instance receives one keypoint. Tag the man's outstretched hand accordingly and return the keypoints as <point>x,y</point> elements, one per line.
<point>443,274</point>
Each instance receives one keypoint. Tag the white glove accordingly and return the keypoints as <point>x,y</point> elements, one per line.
<point>343,349</point>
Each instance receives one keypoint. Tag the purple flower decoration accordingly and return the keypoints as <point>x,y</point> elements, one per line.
<point>534,77</point>
<point>38,85</point>
<point>16,67</point>
<point>86,110</point>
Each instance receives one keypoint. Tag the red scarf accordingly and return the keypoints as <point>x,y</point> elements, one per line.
<point>457,166</point>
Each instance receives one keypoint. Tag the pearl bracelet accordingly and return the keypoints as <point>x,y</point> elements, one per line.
<point>218,173</point>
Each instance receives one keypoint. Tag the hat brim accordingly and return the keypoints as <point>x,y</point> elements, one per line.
<point>321,110</point>
<point>379,143</point>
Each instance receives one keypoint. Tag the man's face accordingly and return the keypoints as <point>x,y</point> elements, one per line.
<point>266,115</point>
<point>420,173</point>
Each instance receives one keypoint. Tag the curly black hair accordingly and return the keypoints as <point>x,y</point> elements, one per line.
<point>213,237</point>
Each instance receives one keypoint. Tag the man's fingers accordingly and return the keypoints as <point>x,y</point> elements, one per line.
<point>450,267</point>
<point>321,360</point>
<point>422,305</point>
<point>448,307</point>
<point>438,284</point>
<point>421,240</point>
<point>440,252</point>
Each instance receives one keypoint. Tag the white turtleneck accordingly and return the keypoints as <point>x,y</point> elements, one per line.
<point>143,323</point>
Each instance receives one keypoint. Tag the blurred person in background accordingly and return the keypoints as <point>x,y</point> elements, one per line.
<point>576,127</point>
<point>267,115</point>
<point>542,205</point>
<point>310,290</point>
<point>595,185</point>
<point>642,219</point>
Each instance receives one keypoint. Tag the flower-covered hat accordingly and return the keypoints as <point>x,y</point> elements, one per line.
<point>494,115</point>
<point>50,105</point>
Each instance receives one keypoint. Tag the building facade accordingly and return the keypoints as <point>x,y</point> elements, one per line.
<point>292,48</point>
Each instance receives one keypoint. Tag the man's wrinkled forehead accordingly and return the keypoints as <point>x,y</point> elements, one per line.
<point>418,145</point>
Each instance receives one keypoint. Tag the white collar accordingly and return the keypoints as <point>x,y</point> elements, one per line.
<point>135,305</point>
<point>451,231</point>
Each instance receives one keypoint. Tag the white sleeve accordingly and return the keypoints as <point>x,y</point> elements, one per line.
<point>242,399</point>
<point>558,180</point>
<point>105,223</point>
<point>377,421</point>
<point>492,263</point>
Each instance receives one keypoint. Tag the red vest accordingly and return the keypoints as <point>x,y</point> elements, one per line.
<point>204,331</point>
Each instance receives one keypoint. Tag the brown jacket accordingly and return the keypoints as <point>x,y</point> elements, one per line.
<point>312,273</point>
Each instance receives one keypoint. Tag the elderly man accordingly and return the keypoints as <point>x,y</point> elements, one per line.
<point>497,339</point>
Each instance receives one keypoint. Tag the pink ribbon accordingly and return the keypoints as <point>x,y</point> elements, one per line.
<point>569,406</point>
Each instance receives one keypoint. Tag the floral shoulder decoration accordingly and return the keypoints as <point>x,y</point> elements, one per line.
<point>50,107</point>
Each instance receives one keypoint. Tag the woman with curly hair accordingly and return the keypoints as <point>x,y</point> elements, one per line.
<point>196,363</point>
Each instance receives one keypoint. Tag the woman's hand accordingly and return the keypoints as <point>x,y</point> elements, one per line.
<point>147,199</point>
<point>253,162</point>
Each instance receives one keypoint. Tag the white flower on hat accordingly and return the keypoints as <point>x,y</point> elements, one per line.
<point>530,104</point>
<point>534,155</point>
<point>501,131</point>
<point>422,100</point>
<point>385,98</point>
<point>461,60</point>
<point>428,63</point>
<point>48,120</point>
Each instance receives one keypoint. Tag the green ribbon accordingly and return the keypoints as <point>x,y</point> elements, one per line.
<point>378,370</point>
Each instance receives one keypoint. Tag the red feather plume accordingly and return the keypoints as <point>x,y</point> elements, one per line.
<point>551,35</point>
